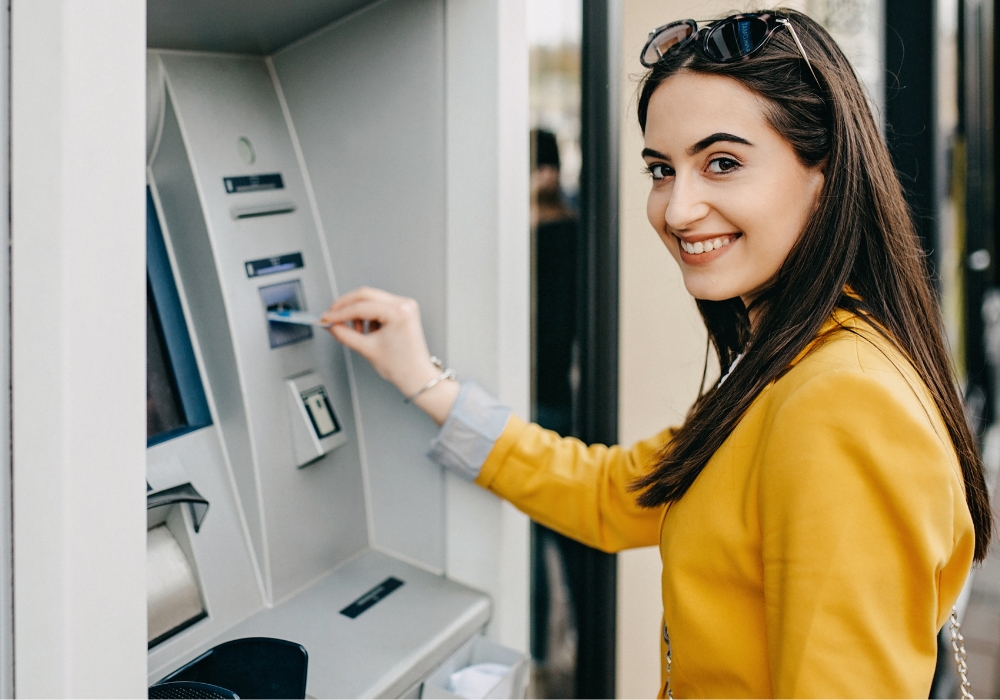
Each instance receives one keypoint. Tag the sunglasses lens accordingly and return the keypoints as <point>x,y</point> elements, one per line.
<point>735,38</point>
<point>666,39</point>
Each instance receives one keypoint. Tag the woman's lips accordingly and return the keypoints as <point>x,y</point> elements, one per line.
<point>706,249</point>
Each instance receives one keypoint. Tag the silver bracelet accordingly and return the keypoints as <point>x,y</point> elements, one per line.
<point>446,374</point>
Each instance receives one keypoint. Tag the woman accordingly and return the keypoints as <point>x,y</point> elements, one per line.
<point>820,509</point>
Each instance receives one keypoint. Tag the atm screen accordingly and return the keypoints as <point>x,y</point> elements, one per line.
<point>175,397</point>
<point>164,410</point>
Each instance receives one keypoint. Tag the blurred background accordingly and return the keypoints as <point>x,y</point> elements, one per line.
<point>618,345</point>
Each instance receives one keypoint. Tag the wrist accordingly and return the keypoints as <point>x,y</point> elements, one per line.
<point>418,378</point>
<point>437,401</point>
<point>432,388</point>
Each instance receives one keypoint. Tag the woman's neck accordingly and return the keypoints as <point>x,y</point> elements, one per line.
<point>753,312</point>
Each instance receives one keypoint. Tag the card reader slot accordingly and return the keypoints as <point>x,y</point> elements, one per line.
<point>286,296</point>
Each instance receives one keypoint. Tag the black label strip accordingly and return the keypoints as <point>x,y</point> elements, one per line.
<point>253,183</point>
<point>371,597</point>
<point>270,266</point>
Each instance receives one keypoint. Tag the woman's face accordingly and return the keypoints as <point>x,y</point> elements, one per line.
<point>729,196</point>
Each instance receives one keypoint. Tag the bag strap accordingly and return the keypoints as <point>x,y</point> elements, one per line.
<point>958,650</point>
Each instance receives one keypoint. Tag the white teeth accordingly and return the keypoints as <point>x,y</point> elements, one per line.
<point>705,246</point>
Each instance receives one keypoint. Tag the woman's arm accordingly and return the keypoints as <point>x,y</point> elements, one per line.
<point>577,490</point>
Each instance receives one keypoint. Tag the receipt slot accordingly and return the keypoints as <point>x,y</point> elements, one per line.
<point>315,428</point>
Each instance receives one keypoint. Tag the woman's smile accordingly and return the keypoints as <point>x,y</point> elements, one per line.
<point>703,249</point>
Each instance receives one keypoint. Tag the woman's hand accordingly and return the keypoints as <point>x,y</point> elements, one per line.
<point>394,344</point>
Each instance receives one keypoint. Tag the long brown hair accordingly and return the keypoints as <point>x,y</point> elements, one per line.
<point>861,236</point>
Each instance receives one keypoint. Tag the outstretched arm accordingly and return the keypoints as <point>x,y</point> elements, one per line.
<point>580,491</point>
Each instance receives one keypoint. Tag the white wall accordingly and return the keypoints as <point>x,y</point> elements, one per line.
<point>78,347</point>
<point>486,68</point>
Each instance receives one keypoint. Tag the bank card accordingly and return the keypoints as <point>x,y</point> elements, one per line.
<point>302,318</point>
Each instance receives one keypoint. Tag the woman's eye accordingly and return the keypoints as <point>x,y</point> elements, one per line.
<point>722,165</point>
<point>660,171</point>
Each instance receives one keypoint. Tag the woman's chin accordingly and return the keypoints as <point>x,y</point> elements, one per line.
<point>710,292</point>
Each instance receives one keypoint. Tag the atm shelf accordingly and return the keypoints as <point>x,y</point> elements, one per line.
<point>391,644</point>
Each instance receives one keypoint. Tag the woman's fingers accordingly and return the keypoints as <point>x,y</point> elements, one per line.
<point>386,330</point>
<point>353,339</point>
<point>359,310</point>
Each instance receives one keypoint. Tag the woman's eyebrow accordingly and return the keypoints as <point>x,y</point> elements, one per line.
<point>715,138</point>
<point>650,153</point>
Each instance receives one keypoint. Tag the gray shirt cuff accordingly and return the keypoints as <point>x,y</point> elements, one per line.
<point>467,437</point>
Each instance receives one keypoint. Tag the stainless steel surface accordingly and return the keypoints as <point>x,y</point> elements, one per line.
<point>302,521</point>
<point>367,101</point>
<point>387,648</point>
<point>239,26</point>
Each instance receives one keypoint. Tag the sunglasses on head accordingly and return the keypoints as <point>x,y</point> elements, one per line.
<point>735,38</point>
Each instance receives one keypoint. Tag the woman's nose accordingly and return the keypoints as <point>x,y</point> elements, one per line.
<point>686,205</point>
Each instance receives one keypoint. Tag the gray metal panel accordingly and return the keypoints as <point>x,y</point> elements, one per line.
<point>385,649</point>
<point>366,97</point>
<point>239,26</point>
<point>185,226</point>
<point>312,518</point>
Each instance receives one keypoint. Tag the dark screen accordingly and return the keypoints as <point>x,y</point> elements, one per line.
<point>164,411</point>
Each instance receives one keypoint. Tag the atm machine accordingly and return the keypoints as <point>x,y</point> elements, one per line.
<point>296,150</point>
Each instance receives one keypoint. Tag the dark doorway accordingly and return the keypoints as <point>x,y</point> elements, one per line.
<point>575,359</point>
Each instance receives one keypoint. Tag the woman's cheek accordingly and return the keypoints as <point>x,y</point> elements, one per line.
<point>654,211</point>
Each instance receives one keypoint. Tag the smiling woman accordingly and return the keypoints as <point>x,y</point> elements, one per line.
<point>820,508</point>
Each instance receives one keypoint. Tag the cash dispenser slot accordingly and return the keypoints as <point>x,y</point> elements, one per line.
<point>174,599</point>
<point>158,504</point>
<point>173,596</point>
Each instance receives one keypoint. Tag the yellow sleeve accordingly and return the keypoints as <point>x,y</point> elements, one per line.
<point>866,539</point>
<point>579,491</point>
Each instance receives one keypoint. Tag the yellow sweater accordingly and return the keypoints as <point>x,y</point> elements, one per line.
<point>817,554</point>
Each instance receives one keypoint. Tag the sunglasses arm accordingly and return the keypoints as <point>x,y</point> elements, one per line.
<point>795,38</point>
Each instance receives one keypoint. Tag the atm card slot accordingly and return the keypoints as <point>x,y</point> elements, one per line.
<point>286,296</point>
